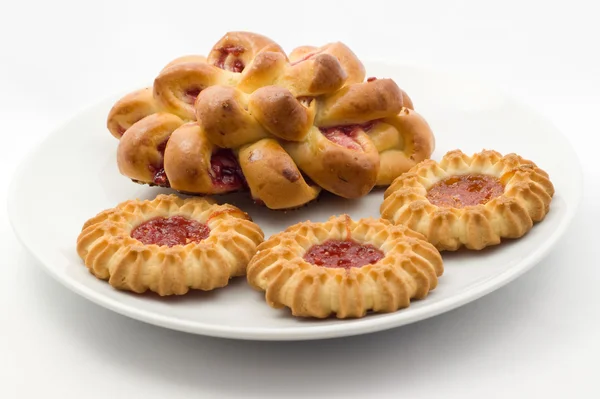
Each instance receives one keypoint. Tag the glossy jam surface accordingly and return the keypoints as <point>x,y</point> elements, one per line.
<point>346,135</point>
<point>226,171</point>
<point>175,230</point>
<point>465,190</point>
<point>160,177</point>
<point>345,254</point>
<point>237,65</point>
<point>191,94</point>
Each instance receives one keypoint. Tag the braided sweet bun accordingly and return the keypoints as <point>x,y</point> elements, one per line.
<point>194,164</point>
<point>223,113</point>
<point>270,171</point>
<point>341,161</point>
<point>402,141</point>
<point>176,87</point>
<point>347,59</point>
<point>130,109</point>
<point>141,156</point>
<point>319,75</point>
<point>314,120</point>
<point>360,103</point>
<point>272,105</point>
<point>235,50</point>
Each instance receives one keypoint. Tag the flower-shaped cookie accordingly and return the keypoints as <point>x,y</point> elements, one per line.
<point>470,201</point>
<point>169,245</point>
<point>345,267</point>
<point>250,117</point>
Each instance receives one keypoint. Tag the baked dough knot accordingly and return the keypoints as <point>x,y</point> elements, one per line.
<point>111,253</point>
<point>250,117</point>
<point>523,197</point>
<point>408,268</point>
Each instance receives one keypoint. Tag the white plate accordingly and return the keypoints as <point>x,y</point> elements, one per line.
<point>73,175</point>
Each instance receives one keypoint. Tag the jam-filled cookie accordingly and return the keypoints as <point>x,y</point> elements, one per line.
<point>344,268</point>
<point>470,201</point>
<point>169,245</point>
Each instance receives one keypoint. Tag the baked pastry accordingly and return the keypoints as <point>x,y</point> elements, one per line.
<point>168,245</point>
<point>315,120</point>
<point>470,201</point>
<point>344,268</point>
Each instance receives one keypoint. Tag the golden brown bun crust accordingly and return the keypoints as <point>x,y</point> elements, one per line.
<point>223,115</point>
<point>138,154</point>
<point>526,200</point>
<point>250,44</point>
<point>281,113</point>
<point>185,59</point>
<point>176,87</point>
<point>300,52</point>
<point>110,253</point>
<point>349,173</point>
<point>415,143</point>
<point>319,75</point>
<point>270,171</point>
<point>266,68</point>
<point>359,103</point>
<point>130,109</point>
<point>187,160</point>
<point>407,101</point>
<point>353,68</point>
<point>409,269</point>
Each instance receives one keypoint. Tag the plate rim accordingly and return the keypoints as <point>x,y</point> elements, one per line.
<point>314,332</point>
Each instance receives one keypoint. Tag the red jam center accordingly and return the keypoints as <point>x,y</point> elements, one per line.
<point>160,177</point>
<point>346,254</point>
<point>191,94</point>
<point>346,135</point>
<point>465,190</point>
<point>175,230</point>
<point>225,170</point>
<point>236,65</point>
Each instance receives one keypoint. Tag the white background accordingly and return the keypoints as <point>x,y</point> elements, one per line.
<point>537,336</point>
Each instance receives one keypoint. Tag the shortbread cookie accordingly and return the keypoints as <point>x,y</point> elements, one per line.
<point>470,201</point>
<point>169,245</point>
<point>345,268</point>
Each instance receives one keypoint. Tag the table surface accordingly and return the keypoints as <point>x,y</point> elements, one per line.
<point>536,336</point>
